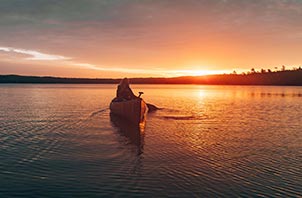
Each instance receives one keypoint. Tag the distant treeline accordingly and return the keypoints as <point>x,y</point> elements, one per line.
<point>286,77</point>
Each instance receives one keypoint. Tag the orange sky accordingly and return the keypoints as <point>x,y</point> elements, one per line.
<point>148,38</point>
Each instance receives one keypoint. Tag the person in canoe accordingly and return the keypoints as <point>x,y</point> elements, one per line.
<point>124,91</point>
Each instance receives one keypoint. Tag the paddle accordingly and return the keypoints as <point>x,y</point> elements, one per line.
<point>151,107</point>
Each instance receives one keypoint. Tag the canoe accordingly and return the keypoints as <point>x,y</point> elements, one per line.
<point>134,110</point>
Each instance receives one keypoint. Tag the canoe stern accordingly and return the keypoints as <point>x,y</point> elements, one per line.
<point>133,110</point>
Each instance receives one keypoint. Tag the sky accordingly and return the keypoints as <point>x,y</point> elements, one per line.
<point>147,38</point>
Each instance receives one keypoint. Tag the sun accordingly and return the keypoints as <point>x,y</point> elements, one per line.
<point>194,72</point>
<point>198,72</point>
<point>201,72</point>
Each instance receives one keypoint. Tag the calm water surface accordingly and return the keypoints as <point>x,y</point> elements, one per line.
<point>226,141</point>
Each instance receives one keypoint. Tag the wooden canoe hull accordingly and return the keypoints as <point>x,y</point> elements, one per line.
<point>132,110</point>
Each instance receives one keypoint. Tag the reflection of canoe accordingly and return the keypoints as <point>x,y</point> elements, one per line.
<point>133,133</point>
<point>133,110</point>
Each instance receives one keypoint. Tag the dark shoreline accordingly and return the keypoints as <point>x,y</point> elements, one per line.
<point>288,77</point>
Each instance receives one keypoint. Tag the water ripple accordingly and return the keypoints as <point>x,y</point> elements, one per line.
<point>207,141</point>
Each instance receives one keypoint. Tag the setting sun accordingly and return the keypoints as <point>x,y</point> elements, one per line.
<point>201,72</point>
<point>196,72</point>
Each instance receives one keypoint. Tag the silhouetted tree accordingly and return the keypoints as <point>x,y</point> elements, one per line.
<point>283,68</point>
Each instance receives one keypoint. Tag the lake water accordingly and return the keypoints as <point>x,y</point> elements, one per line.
<point>207,141</point>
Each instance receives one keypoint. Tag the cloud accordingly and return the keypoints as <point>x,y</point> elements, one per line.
<point>34,55</point>
<point>112,69</point>
<point>5,49</point>
<point>38,56</point>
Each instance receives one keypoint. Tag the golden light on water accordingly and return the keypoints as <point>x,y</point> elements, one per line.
<point>201,93</point>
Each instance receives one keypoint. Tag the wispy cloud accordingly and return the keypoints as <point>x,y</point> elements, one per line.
<point>34,55</point>
<point>113,69</point>
<point>156,71</point>
<point>5,49</point>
